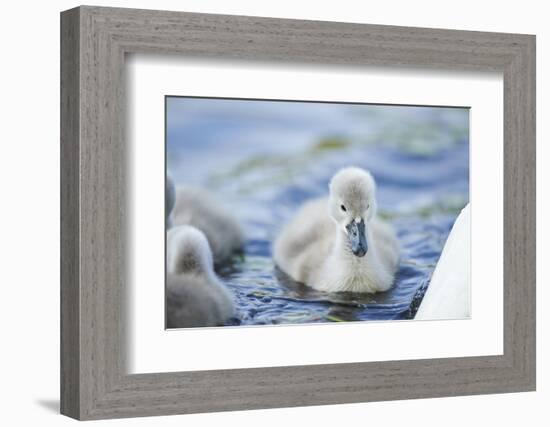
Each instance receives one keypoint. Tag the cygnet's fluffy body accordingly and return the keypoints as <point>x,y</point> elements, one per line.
<point>194,294</point>
<point>338,244</point>
<point>199,208</point>
<point>170,199</point>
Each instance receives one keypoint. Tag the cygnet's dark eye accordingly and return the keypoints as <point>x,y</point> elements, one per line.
<point>343,208</point>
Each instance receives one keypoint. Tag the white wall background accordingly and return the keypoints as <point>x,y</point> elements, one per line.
<point>29,225</point>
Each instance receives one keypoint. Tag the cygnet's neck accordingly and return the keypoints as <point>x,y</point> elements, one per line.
<point>353,273</point>
<point>192,259</point>
<point>343,253</point>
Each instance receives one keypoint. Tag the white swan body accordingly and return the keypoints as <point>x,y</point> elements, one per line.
<point>199,208</point>
<point>448,294</point>
<point>339,244</point>
<point>194,294</point>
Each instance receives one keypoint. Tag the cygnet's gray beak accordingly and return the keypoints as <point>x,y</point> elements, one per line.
<point>357,237</point>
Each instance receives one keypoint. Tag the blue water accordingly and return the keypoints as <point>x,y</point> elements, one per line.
<point>264,159</point>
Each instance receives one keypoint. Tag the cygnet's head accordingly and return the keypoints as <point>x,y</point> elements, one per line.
<point>188,251</point>
<point>352,205</point>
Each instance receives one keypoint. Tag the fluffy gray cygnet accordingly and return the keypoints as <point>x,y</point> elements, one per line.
<point>339,243</point>
<point>194,294</point>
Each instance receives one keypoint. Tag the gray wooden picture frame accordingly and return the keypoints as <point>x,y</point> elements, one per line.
<point>94,41</point>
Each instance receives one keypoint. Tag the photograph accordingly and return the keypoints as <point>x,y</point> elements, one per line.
<point>319,212</point>
<point>285,212</point>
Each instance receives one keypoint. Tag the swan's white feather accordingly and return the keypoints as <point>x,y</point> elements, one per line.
<point>448,294</point>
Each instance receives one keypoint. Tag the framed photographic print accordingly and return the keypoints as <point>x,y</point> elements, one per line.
<point>318,202</point>
<point>262,213</point>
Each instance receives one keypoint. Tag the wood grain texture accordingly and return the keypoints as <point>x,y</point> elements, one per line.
<point>94,382</point>
<point>70,292</point>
